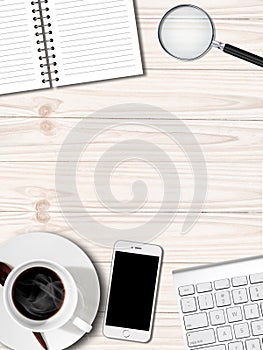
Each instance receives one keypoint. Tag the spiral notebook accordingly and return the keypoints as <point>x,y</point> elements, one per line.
<point>52,43</point>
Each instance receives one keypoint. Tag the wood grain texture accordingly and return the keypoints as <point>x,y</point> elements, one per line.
<point>218,9</point>
<point>33,139</point>
<point>215,237</point>
<point>231,187</point>
<point>187,94</point>
<point>220,100</point>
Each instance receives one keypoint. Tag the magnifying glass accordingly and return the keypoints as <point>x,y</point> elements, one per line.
<point>187,33</point>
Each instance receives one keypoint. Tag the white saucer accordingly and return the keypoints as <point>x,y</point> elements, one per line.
<point>40,245</point>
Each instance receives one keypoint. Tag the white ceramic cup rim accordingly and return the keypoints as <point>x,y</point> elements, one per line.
<point>63,315</point>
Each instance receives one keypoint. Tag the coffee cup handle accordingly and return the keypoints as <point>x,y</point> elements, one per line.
<point>82,325</point>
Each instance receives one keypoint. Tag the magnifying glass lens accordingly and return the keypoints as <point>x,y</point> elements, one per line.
<point>186,32</point>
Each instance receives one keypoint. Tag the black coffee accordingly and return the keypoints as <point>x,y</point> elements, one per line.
<point>38,293</point>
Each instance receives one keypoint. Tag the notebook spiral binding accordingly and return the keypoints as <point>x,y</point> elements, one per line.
<point>44,31</point>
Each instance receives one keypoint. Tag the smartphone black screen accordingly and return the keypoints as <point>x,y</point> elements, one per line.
<point>132,291</point>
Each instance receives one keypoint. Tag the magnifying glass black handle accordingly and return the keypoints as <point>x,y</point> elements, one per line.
<point>244,55</point>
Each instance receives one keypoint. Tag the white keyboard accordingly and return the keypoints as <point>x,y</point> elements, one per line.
<point>221,306</point>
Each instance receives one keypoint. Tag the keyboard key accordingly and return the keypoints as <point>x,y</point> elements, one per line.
<point>201,338</point>
<point>238,345</point>
<point>239,281</point>
<point>234,314</point>
<point>217,317</point>
<point>256,278</point>
<point>257,327</point>
<point>206,301</point>
<point>214,347</point>
<point>253,344</point>
<point>188,305</point>
<point>256,293</point>
<point>204,287</point>
<point>222,284</point>
<point>224,333</point>
<point>241,330</point>
<point>223,299</point>
<point>186,290</point>
<point>251,311</point>
<point>195,321</point>
<point>240,296</point>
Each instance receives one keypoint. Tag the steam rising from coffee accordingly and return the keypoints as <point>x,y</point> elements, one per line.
<point>38,293</point>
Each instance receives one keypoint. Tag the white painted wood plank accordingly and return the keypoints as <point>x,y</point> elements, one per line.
<point>217,9</point>
<point>213,95</point>
<point>214,238</point>
<point>232,187</point>
<point>33,139</point>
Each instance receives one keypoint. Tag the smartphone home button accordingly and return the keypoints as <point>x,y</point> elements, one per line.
<point>126,333</point>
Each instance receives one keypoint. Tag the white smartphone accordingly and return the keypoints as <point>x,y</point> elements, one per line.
<point>133,291</point>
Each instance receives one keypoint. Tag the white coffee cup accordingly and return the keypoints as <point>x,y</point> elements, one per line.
<point>66,313</point>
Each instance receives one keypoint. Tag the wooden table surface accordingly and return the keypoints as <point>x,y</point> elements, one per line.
<point>218,97</point>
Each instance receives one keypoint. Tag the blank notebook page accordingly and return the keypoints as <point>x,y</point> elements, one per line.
<point>94,40</point>
<point>19,62</point>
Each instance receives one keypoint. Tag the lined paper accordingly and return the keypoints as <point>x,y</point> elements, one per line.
<point>95,40</point>
<point>19,65</point>
<point>90,40</point>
